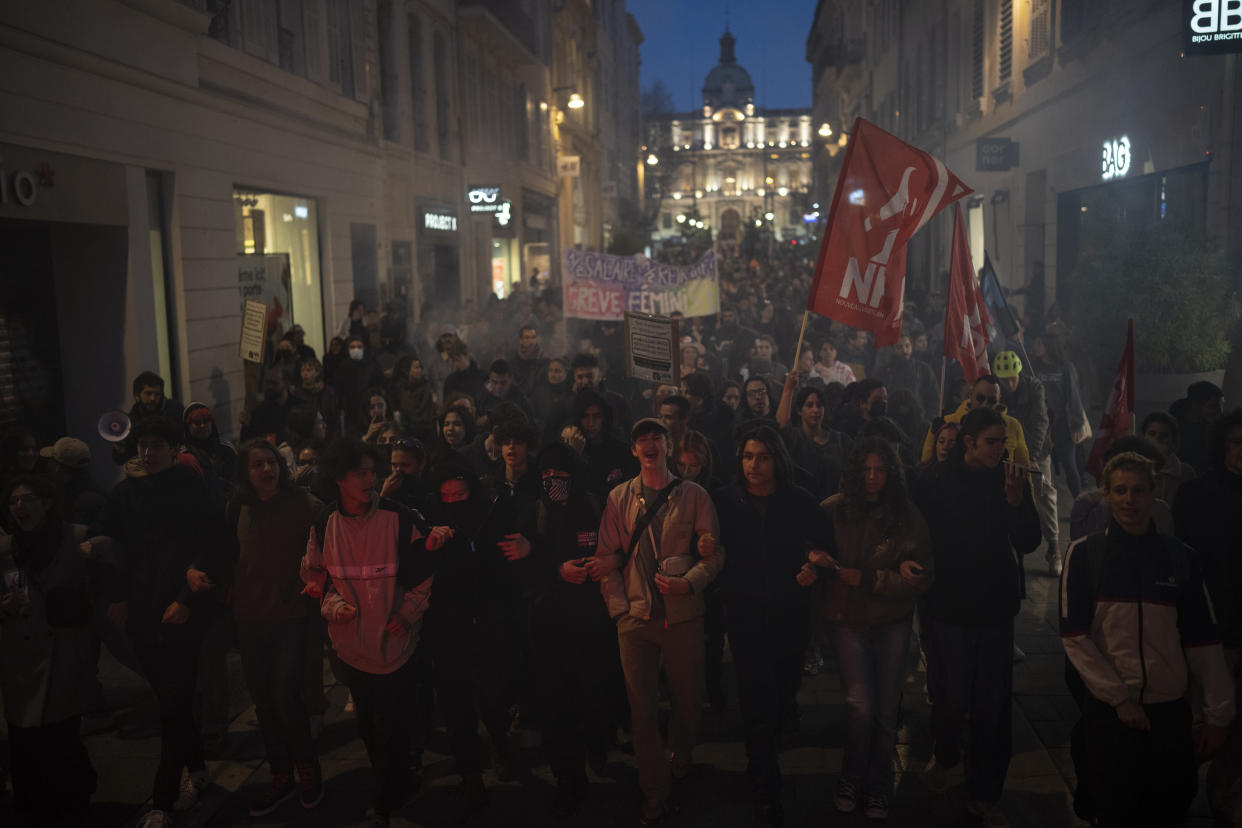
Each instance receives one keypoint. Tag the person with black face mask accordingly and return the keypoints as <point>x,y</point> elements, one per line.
<point>576,657</point>
<point>865,400</point>
<point>468,634</point>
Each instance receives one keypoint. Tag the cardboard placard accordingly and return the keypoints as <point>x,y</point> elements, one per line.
<point>254,331</point>
<point>652,348</point>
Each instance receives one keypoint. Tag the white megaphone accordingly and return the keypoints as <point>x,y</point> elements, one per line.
<point>114,426</point>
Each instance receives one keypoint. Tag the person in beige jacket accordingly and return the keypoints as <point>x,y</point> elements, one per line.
<point>657,553</point>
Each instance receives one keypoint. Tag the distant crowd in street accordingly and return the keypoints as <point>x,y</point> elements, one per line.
<point>480,518</point>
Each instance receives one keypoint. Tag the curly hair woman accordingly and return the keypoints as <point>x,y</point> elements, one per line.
<point>883,562</point>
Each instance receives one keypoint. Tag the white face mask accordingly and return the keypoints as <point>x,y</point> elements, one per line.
<point>355,353</point>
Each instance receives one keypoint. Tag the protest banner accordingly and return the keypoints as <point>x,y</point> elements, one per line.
<point>600,286</point>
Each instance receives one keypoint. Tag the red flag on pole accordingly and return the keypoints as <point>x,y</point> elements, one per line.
<point>965,315</point>
<point>887,190</point>
<point>1119,414</point>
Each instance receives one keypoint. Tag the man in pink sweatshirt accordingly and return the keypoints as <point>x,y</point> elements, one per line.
<point>373,581</point>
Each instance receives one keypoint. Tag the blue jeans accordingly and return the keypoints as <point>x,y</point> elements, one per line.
<point>872,661</point>
<point>974,675</point>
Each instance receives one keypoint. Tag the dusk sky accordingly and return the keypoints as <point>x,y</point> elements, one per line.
<point>681,45</point>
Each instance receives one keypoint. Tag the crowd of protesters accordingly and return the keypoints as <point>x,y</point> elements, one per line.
<point>489,522</point>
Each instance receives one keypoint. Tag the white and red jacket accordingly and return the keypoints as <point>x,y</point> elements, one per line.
<point>356,565</point>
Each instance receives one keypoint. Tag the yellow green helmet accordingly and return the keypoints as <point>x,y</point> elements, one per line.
<point>1007,364</point>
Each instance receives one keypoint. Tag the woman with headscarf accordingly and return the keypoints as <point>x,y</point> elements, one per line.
<point>217,458</point>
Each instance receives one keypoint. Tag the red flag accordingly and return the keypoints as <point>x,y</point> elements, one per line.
<point>887,190</point>
<point>966,315</point>
<point>1119,413</point>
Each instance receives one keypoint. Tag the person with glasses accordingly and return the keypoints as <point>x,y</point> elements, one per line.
<point>986,393</point>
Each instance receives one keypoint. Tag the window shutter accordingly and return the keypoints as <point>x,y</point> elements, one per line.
<point>1005,36</point>
<point>1041,30</point>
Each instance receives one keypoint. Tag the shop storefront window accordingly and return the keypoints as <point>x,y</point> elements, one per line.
<point>506,269</point>
<point>278,259</point>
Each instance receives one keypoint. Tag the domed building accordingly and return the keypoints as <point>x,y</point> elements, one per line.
<point>730,164</point>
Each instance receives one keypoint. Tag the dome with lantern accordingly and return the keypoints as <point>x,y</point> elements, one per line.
<point>728,84</point>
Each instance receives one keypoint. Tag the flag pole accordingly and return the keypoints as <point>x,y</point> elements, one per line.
<point>943,360</point>
<point>785,409</point>
<point>801,334</point>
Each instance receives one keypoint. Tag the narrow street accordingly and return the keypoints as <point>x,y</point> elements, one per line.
<point>1037,794</point>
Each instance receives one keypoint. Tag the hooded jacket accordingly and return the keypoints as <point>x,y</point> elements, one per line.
<point>1015,441</point>
<point>217,457</point>
<point>361,561</point>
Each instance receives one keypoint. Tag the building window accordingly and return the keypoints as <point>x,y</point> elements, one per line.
<point>666,221</point>
<point>418,82</point>
<point>522,106</point>
<point>729,137</point>
<point>291,36</point>
<point>1041,30</point>
<point>976,52</point>
<point>1005,39</point>
<point>440,55</point>
<point>340,48</point>
<point>1073,18</point>
<point>278,258</point>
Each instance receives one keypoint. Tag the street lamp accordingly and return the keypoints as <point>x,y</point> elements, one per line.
<point>652,160</point>
<point>575,100</point>
<point>825,131</point>
<point>769,215</point>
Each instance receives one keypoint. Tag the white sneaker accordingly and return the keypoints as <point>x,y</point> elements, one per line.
<point>156,819</point>
<point>989,813</point>
<point>192,784</point>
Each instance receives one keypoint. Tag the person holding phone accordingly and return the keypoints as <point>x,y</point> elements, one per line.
<point>979,511</point>
<point>883,562</point>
